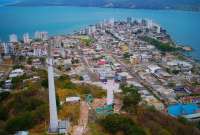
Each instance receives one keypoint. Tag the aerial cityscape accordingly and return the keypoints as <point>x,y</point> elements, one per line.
<point>116,76</point>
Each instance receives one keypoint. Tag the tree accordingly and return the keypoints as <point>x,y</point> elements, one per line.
<point>43,59</point>
<point>81,78</point>
<point>4,95</point>
<point>44,83</point>
<point>18,66</point>
<point>115,123</point>
<point>175,72</point>
<point>3,113</point>
<point>29,61</point>
<point>3,132</point>
<point>164,47</point>
<point>17,81</point>
<point>1,83</point>
<point>22,58</point>
<point>183,120</point>
<point>131,97</point>
<point>58,101</point>
<point>126,55</point>
<point>22,122</point>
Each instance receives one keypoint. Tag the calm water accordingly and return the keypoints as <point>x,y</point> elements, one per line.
<point>184,27</point>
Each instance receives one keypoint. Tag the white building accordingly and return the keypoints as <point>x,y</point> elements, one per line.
<point>91,30</point>
<point>149,24</point>
<point>26,38</point>
<point>111,22</point>
<point>16,73</point>
<point>72,99</point>
<point>182,64</point>
<point>39,51</point>
<point>153,68</point>
<point>7,48</point>
<point>41,35</point>
<point>13,38</point>
<point>158,28</point>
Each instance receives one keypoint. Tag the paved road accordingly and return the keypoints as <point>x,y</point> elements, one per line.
<point>134,74</point>
<point>93,76</point>
<point>138,78</point>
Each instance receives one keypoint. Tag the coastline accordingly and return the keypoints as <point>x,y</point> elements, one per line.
<point>64,25</point>
<point>103,7</point>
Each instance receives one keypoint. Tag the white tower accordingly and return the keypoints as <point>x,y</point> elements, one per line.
<point>13,38</point>
<point>158,29</point>
<point>149,24</point>
<point>53,127</point>
<point>26,38</point>
<point>110,97</point>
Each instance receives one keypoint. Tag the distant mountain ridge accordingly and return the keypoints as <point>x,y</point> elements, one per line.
<point>138,4</point>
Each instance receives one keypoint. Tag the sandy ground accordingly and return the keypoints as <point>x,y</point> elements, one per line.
<point>80,129</point>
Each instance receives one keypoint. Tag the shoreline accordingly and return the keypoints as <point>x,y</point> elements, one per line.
<point>128,8</point>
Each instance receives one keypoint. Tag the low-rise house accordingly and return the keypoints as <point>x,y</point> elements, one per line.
<point>16,73</point>
<point>8,84</point>
<point>135,59</point>
<point>153,68</point>
<point>72,99</point>
<point>152,101</point>
<point>183,65</point>
<point>36,62</point>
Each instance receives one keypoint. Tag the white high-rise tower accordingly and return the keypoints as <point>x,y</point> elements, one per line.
<point>53,127</point>
<point>13,38</point>
<point>26,38</point>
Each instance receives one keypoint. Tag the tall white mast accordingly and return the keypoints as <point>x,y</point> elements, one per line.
<point>53,127</point>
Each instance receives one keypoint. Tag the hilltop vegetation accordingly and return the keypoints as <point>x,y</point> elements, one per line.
<point>141,120</point>
<point>23,110</point>
<point>27,109</point>
<point>163,47</point>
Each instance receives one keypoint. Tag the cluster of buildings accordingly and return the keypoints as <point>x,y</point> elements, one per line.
<point>115,50</point>
<point>119,52</point>
<point>15,46</point>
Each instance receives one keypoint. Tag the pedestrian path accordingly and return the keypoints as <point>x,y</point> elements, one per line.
<point>80,129</point>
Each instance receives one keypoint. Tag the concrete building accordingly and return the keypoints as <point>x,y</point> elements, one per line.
<point>183,65</point>
<point>13,38</point>
<point>26,38</point>
<point>149,24</point>
<point>16,73</point>
<point>135,59</point>
<point>41,35</point>
<point>8,48</point>
<point>129,20</point>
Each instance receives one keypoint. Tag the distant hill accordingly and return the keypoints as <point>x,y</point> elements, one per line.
<point>8,2</point>
<point>138,4</point>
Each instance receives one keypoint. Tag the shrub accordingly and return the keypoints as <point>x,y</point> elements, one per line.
<point>115,123</point>
<point>18,66</point>
<point>3,113</point>
<point>164,47</point>
<point>22,122</point>
<point>131,97</point>
<point>4,95</point>
<point>44,83</point>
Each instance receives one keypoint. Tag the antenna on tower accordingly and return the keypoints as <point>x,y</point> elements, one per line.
<point>53,126</point>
